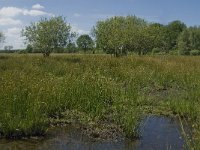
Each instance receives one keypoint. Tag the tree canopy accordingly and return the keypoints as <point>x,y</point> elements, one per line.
<point>8,47</point>
<point>189,40</point>
<point>117,35</point>
<point>2,37</point>
<point>85,42</point>
<point>48,34</point>
<point>174,29</point>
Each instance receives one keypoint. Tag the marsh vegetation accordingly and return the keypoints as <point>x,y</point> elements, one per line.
<point>96,90</point>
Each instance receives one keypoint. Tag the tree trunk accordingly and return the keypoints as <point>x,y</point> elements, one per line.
<point>46,54</point>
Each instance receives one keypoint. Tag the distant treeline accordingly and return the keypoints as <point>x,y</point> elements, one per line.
<point>9,51</point>
<point>120,35</point>
<point>117,35</point>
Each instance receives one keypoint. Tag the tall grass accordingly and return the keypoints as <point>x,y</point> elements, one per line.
<point>33,89</point>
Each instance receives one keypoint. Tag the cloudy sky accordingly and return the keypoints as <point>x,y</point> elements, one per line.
<point>83,14</point>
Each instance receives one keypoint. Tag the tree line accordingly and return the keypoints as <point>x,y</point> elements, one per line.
<point>119,35</point>
<point>122,35</point>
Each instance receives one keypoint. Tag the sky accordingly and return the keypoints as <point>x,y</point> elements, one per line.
<point>83,14</point>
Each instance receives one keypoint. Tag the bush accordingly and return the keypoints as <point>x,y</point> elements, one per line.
<point>194,52</point>
<point>156,50</point>
<point>184,52</point>
<point>29,48</point>
<point>173,52</point>
<point>22,52</point>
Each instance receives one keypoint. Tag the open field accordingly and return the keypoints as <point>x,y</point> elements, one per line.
<point>96,88</point>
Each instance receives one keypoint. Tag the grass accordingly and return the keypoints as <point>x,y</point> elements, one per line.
<point>34,89</point>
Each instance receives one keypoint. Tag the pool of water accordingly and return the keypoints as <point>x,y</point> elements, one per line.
<point>160,133</point>
<point>157,133</point>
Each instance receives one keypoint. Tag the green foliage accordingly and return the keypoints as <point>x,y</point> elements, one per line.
<point>189,40</point>
<point>71,48</point>
<point>85,43</point>
<point>195,52</point>
<point>48,35</point>
<point>58,50</point>
<point>159,36</point>
<point>2,37</point>
<point>184,43</point>
<point>174,29</point>
<point>156,50</point>
<point>8,47</point>
<point>118,35</point>
<point>22,51</point>
<point>194,37</point>
<point>174,52</point>
<point>29,48</point>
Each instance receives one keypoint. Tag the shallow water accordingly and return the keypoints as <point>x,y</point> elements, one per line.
<point>157,133</point>
<point>160,133</point>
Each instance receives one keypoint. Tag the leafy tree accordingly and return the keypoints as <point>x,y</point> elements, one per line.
<point>29,48</point>
<point>174,29</point>
<point>85,42</point>
<point>2,37</point>
<point>8,48</point>
<point>194,38</point>
<point>184,43</point>
<point>48,35</point>
<point>189,40</point>
<point>117,35</point>
<point>71,48</point>
<point>159,37</point>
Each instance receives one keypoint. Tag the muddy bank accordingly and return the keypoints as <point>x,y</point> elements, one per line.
<point>97,130</point>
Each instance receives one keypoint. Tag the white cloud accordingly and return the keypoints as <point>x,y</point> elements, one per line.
<point>13,31</point>
<point>78,30</point>
<point>37,6</point>
<point>14,11</point>
<point>13,37</point>
<point>9,21</point>
<point>12,26</point>
<point>10,11</point>
<point>36,13</point>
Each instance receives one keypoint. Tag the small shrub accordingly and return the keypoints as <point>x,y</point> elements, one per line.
<point>156,50</point>
<point>184,52</point>
<point>22,52</point>
<point>173,52</point>
<point>194,52</point>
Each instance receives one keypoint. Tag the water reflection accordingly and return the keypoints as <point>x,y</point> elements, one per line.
<point>157,133</point>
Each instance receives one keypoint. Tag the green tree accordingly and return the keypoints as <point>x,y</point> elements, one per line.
<point>71,48</point>
<point>118,35</point>
<point>184,43</point>
<point>85,43</point>
<point>194,38</point>
<point>29,48</point>
<point>174,29</point>
<point>48,35</point>
<point>189,40</point>
<point>159,37</point>
<point>8,47</point>
<point>2,37</point>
